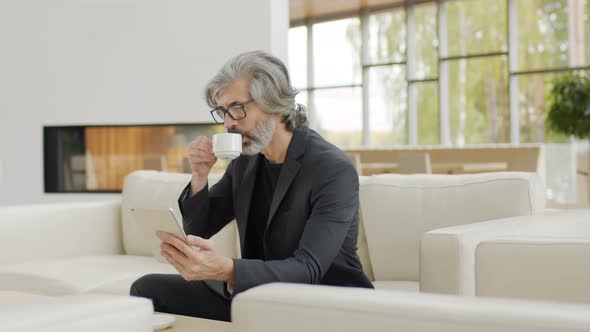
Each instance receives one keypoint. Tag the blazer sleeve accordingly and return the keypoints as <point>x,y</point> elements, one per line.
<point>207,212</point>
<point>335,203</point>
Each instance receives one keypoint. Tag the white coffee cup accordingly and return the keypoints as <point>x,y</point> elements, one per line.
<point>227,145</point>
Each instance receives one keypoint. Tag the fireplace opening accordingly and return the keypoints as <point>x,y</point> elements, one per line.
<point>91,159</point>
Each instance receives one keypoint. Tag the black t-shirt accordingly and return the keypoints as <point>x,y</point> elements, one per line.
<point>266,182</point>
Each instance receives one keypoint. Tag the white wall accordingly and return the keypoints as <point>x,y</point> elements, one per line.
<point>113,61</point>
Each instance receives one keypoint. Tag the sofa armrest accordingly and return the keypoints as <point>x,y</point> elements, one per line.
<point>540,268</point>
<point>295,308</point>
<point>77,313</point>
<point>447,255</point>
<point>31,232</point>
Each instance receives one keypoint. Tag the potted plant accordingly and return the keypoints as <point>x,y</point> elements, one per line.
<point>569,110</point>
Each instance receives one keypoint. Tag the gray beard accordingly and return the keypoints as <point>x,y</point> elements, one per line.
<point>259,137</point>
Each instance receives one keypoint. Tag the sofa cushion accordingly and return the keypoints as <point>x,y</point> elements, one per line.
<point>398,209</point>
<point>85,274</point>
<point>159,190</point>
<point>362,249</point>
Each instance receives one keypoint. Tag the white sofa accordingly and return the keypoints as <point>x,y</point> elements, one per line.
<point>294,308</point>
<point>60,249</point>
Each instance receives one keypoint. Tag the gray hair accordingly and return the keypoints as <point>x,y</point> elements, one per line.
<point>270,86</point>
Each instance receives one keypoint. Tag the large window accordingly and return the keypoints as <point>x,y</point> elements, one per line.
<point>385,70</point>
<point>476,26</point>
<point>387,104</point>
<point>478,94</point>
<point>450,72</point>
<point>552,38</point>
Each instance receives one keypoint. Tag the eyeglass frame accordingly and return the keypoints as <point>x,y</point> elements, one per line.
<point>226,111</point>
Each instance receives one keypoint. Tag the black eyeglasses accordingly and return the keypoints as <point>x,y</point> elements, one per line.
<point>236,112</point>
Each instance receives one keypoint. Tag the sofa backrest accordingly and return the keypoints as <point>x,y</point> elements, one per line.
<point>398,209</point>
<point>160,190</point>
<point>59,230</point>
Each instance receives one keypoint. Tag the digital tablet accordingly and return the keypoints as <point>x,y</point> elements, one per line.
<point>155,221</point>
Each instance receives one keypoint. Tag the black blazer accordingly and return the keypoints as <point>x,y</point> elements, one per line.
<point>312,227</point>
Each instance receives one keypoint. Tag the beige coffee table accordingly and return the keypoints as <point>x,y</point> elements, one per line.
<point>192,324</point>
<point>182,323</point>
<point>13,297</point>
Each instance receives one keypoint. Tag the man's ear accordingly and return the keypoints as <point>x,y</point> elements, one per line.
<point>278,118</point>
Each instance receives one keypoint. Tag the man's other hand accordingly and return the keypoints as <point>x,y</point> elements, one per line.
<point>206,263</point>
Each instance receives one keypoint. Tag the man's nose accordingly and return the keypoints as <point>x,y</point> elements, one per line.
<point>228,122</point>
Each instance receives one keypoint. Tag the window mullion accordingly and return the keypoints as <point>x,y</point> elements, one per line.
<point>310,81</point>
<point>366,130</point>
<point>443,86</point>
<point>412,106</point>
<point>513,66</point>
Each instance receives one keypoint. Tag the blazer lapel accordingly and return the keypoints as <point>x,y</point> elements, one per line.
<point>245,197</point>
<point>289,170</point>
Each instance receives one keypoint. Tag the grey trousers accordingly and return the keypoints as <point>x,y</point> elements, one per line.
<point>170,293</point>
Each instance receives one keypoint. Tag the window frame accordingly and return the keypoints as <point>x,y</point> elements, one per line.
<point>442,79</point>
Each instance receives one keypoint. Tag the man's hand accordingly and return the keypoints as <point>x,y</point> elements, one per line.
<point>201,158</point>
<point>203,264</point>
